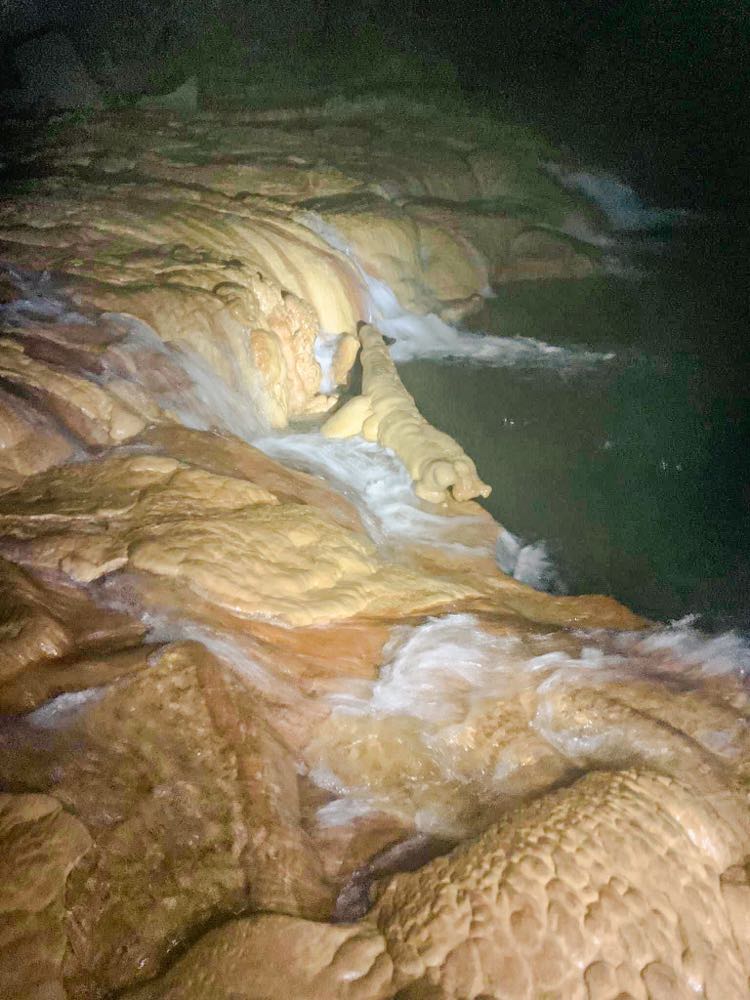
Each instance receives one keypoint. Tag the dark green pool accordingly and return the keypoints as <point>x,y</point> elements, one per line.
<point>634,470</point>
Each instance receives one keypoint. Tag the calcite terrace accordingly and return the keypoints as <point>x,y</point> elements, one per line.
<point>255,742</point>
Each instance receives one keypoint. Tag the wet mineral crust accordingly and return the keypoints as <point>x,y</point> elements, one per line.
<point>250,749</point>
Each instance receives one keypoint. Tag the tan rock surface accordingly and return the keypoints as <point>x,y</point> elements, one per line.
<point>83,518</point>
<point>386,413</point>
<point>205,274</point>
<point>193,808</point>
<point>55,639</point>
<point>225,455</point>
<point>291,564</point>
<point>579,895</point>
<point>205,246</point>
<point>39,844</point>
<point>90,412</point>
<point>245,789</point>
<point>426,264</point>
<point>222,537</point>
<point>28,442</point>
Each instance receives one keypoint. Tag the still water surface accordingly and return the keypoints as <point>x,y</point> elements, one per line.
<point>634,469</point>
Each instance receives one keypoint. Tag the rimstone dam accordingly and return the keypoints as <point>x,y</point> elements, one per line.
<point>274,722</point>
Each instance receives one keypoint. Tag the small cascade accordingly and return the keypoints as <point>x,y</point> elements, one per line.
<point>621,204</point>
<point>188,387</point>
<point>414,741</point>
<point>528,562</point>
<point>380,487</point>
<point>428,336</point>
<point>116,348</point>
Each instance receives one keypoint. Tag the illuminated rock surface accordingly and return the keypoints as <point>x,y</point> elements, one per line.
<point>40,844</point>
<point>386,413</point>
<point>577,895</point>
<point>274,724</point>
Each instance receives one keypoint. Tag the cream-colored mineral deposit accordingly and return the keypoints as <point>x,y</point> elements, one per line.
<point>386,413</point>
<point>270,725</point>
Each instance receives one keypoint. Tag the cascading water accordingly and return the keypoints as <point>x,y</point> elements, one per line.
<point>413,740</point>
<point>407,742</point>
<point>624,209</point>
<point>428,336</point>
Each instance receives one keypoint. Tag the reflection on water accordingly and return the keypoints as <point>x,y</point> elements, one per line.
<point>633,471</point>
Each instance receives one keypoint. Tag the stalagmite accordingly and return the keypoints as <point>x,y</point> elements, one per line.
<point>386,413</point>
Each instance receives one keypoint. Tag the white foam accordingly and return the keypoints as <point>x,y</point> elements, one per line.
<point>60,710</point>
<point>325,351</point>
<point>428,336</point>
<point>619,201</point>
<point>376,482</point>
<point>207,402</point>
<point>431,672</point>
<point>682,648</point>
<point>341,812</point>
<point>230,650</point>
<point>431,337</point>
<point>439,680</point>
<point>529,563</point>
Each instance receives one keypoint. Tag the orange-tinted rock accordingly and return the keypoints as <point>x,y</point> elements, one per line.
<point>55,639</point>
<point>39,844</point>
<point>320,735</point>
<point>193,809</point>
<point>577,895</point>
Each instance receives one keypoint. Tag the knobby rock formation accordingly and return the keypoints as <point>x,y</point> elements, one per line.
<point>255,742</point>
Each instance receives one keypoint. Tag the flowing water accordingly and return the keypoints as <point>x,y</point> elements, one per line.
<point>608,413</point>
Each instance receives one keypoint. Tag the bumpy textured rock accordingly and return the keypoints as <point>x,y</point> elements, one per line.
<point>28,442</point>
<point>245,289</point>
<point>386,413</point>
<point>425,263</point>
<point>292,735</point>
<point>55,639</point>
<point>90,412</point>
<point>228,456</point>
<point>193,808</point>
<point>222,537</point>
<point>39,844</point>
<point>580,895</point>
<point>216,244</point>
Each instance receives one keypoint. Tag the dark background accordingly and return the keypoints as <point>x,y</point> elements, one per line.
<point>659,90</point>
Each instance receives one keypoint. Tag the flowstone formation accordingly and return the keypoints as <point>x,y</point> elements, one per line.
<point>284,729</point>
<point>386,413</point>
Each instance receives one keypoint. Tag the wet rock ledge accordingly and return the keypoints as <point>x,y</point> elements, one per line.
<point>263,735</point>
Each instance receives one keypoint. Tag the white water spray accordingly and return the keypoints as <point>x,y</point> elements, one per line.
<point>619,201</point>
<point>416,336</point>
